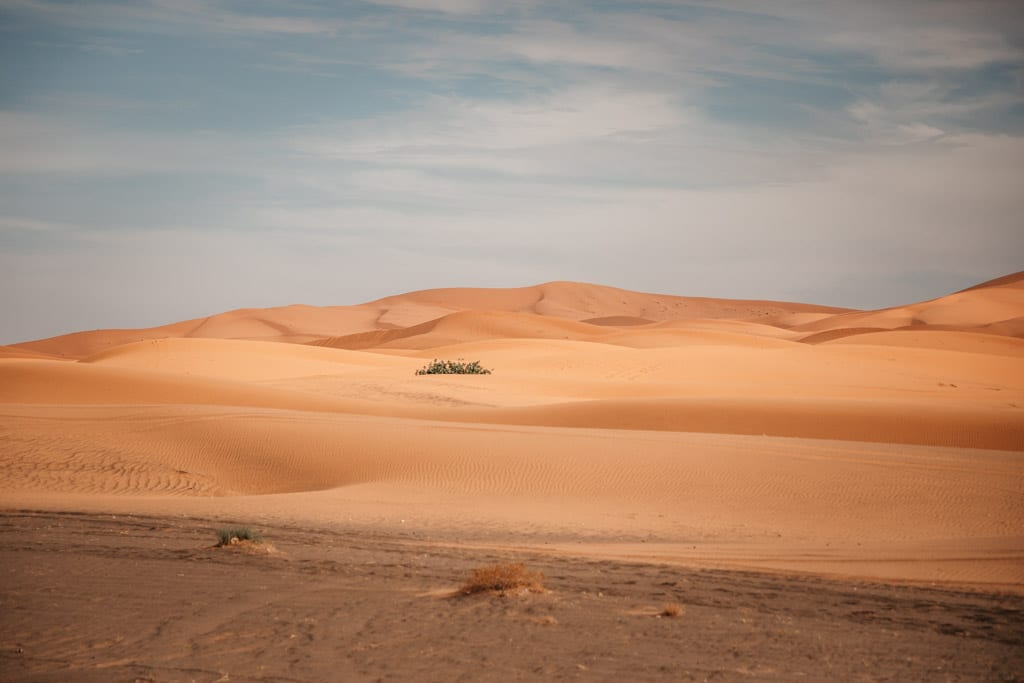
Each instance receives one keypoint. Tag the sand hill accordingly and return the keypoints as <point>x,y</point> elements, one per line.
<point>881,444</point>
<point>556,300</point>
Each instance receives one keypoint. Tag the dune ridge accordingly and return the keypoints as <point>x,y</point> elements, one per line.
<point>301,323</point>
<point>980,308</point>
<point>984,308</point>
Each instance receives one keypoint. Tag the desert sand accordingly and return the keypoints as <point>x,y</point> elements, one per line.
<point>814,452</point>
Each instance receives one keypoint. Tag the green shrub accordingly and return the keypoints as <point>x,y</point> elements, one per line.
<point>453,367</point>
<point>231,535</point>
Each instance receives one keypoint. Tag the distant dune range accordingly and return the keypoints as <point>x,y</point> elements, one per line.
<point>756,433</point>
<point>551,302</point>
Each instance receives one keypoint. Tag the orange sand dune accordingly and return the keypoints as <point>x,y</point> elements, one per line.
<point>906,512</point>
<point>469,326</point>
<point>81,344</point>
<point>580,301</point>
<point>1011,280</point>
<point>746,369</point>
<point>683,336</point>
<point>759,329</point>
<point>1011,327</point>
<point>840,333</point>
<point>720,382</point>
<point>238,360</point>
<point>618,321</point>
<point>983,306</point>
<point>563,300</point>
<point>62,383</point>
<point>466,326</point>
<point>788,321</point>
<point>970,342</point>
<point>261,451</point>
<point>16,352</point>
<point>848,420</point>
<point>289,323</point>
<point>883,443</point>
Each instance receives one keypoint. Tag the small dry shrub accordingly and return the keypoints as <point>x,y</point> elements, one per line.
<point>503,579</point>
<point>671,610</point>
<point>234,535</point>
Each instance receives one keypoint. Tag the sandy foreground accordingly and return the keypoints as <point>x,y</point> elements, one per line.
<point>826,492</point>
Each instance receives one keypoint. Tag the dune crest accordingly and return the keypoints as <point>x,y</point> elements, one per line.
<point>301,324</point>
<point>982,308</point>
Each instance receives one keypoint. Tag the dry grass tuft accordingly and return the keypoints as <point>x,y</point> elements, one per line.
<point>235,535</point>
<point>503,579</point>
<point>672,610</point>
<point>245,540</point>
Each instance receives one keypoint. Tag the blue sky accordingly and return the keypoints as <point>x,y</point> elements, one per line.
<point>167,159</point>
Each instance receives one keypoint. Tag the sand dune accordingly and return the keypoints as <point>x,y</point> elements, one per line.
<point>82,344</point>
<point>609,414</point>
<point>969,342</point>
<point>237,360</point>
<point>1011,280</point>
<point>290,323</point>
<point>175,449</point>
<point>758,329</point>
<point>745,500</point>
<point>16,352</point>
<point>1011,327</point>
<point>60,383</point>
<point>464,326</point>
<point>470,326</point>
<point>618,321</point>
<point>663,337</point>
<point>849,420</point>
<point>298,323</point>
<point>580,301</point>
<point>718,382</point>
<point>983,306</point>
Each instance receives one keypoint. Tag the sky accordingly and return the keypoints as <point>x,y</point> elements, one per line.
<point>168,159</point>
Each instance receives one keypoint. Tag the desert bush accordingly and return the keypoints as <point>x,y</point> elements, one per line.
<point>453,367</point>
<point>502,579</point>
<point>230,535</point>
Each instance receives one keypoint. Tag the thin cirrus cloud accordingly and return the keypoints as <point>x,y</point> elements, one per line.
<point>162,160</point>
<point>512,137</point>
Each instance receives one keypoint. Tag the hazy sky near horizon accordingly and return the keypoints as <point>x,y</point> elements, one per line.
<point>168,159</point>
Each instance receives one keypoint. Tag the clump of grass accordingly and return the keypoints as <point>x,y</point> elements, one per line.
<point>671,610</point>
<point>503,579</point>
<point>453,367</point>
<point>232,535</point>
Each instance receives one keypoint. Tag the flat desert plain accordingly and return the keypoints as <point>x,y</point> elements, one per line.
<point>713,489</point>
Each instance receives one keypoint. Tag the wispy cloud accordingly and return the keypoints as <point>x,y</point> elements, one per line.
<point>446,6</point>
<point>169,16</point>
<point>33,144</point>
<point>509,136</point>
<point>15,224</point>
